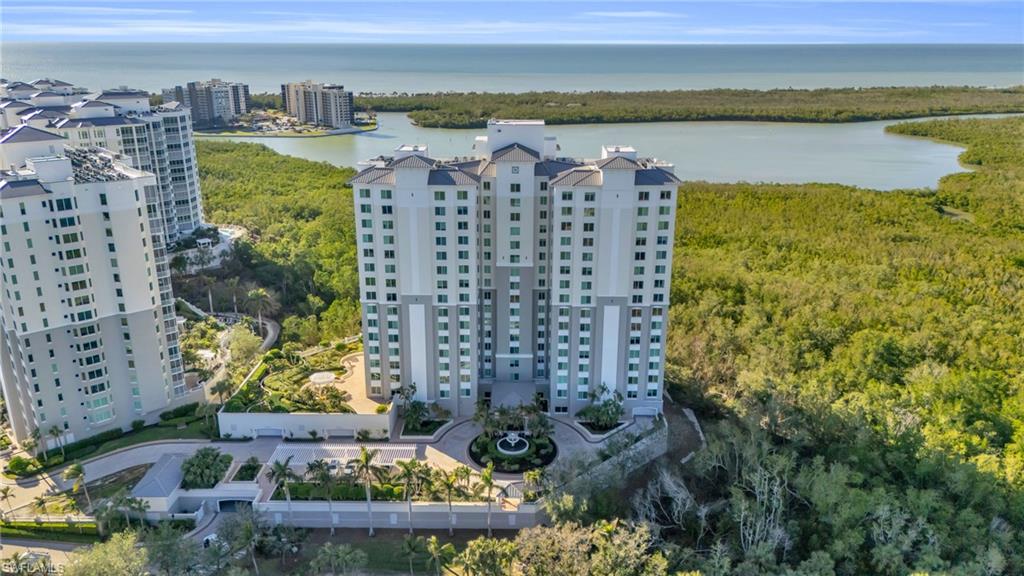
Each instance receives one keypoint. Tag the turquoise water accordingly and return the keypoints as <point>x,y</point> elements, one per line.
<point>860,154</point>
<point>501,68</point>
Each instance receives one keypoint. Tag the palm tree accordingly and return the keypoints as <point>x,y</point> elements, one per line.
<point>39,504</point>
<point>533,479</point>
<point>262,301</point>
<point>487,482</point>
<point>232,286</point>
<point>76,473</point>
<point>449,482</point>
<point>32,442</point>
<point>441,555</point>
<point>367,471</point>
<point>320,472</point>
<point>56,433</point>
<point>222,389</point>
<point>412,547</point>
<point>339,558</point>
<point>281,473</point>
<point>464,473</point>
<point>411,474</point>
<point>7,494</point>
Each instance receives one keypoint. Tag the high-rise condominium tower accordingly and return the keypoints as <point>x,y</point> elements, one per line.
<point>88,340</point>
<point>321,104</point>
<point>158,139</point>
<point>515,273</point>
<point>212,102</point>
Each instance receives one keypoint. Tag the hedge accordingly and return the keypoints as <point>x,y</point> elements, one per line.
<point>183,410</point>
<point>342,492</point>
<point>84,532</point>
<point>82,447</point>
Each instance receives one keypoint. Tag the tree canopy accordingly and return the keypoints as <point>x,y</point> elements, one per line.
<point>472,110</point>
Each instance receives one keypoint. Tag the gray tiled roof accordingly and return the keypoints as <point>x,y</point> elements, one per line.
<point>43,113</point>
<point>162,478</point>
<point>15,104</point>
<point>26,133</point>
<point>90,122</point>
<point>112,94</point>
<point>515,153</point>
<point>50,81</point>
<point>413,161</point>
<point>44,94</point>
<point>654,177</point>
<point>448,176</point>
<point>474,166</point>
<point>618,163</point>
<point>582,176</point>
<point>374,175</point>
<point>20,188</point>
<point>551,168</point>
<point>90,104</point>
<point>20,86</point>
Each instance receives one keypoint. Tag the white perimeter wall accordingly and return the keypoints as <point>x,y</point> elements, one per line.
<point>298,425</point>
<point>426,515</point>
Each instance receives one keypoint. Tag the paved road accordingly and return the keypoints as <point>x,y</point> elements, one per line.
<point>59,551</point>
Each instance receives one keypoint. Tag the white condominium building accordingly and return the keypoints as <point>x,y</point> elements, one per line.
<point>158,139</point>
<point>320,104</point>
<point>212,102</point>
<point>88,340</point>
<point>516,273</point>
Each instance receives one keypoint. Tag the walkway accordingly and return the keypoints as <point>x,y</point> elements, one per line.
<point>59,552</point>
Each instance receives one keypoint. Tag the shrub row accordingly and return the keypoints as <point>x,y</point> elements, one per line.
<point>355,491</point>
<point>183,410</point>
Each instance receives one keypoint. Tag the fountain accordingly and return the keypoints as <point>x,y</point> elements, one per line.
<point>512,444</point>
<point>321,378</point>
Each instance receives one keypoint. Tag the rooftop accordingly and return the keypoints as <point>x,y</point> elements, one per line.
<point>162,478</point>
<point>26,133</point>
<point>20,188</point>
<point>467,171</point>
<point>95,165</point>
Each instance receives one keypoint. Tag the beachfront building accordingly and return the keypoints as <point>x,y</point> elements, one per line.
<point>212,102</point>
<point>88,337</point>
<point>319,104</point>
<point>516,272</point>
<point>158,139</point>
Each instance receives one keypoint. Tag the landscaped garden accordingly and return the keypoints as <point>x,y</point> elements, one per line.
<point>514,439</point>
<point>420,418</point>
<point>295,382</point>
<point>603,414</point>
<point>204,469</point>
<point>248,471</point>
<point>189,421</point>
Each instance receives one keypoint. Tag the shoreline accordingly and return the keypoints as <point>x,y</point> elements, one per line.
<point>335,132</point>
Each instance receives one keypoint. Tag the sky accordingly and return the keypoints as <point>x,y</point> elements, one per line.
<point>515,22</point>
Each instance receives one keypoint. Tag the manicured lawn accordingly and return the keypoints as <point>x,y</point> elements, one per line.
<point>152,433</point>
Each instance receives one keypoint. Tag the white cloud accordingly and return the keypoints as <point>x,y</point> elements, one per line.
<point>634,14</point>
<point>92,10</point>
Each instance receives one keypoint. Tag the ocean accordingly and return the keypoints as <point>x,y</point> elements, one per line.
<point>506,68</point>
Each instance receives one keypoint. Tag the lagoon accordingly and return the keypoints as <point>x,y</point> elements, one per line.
<point>858,154</point>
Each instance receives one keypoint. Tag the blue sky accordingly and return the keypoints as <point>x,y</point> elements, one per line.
<point>512,21</point>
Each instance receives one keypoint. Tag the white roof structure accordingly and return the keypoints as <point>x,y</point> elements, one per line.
<point>304,453</point>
